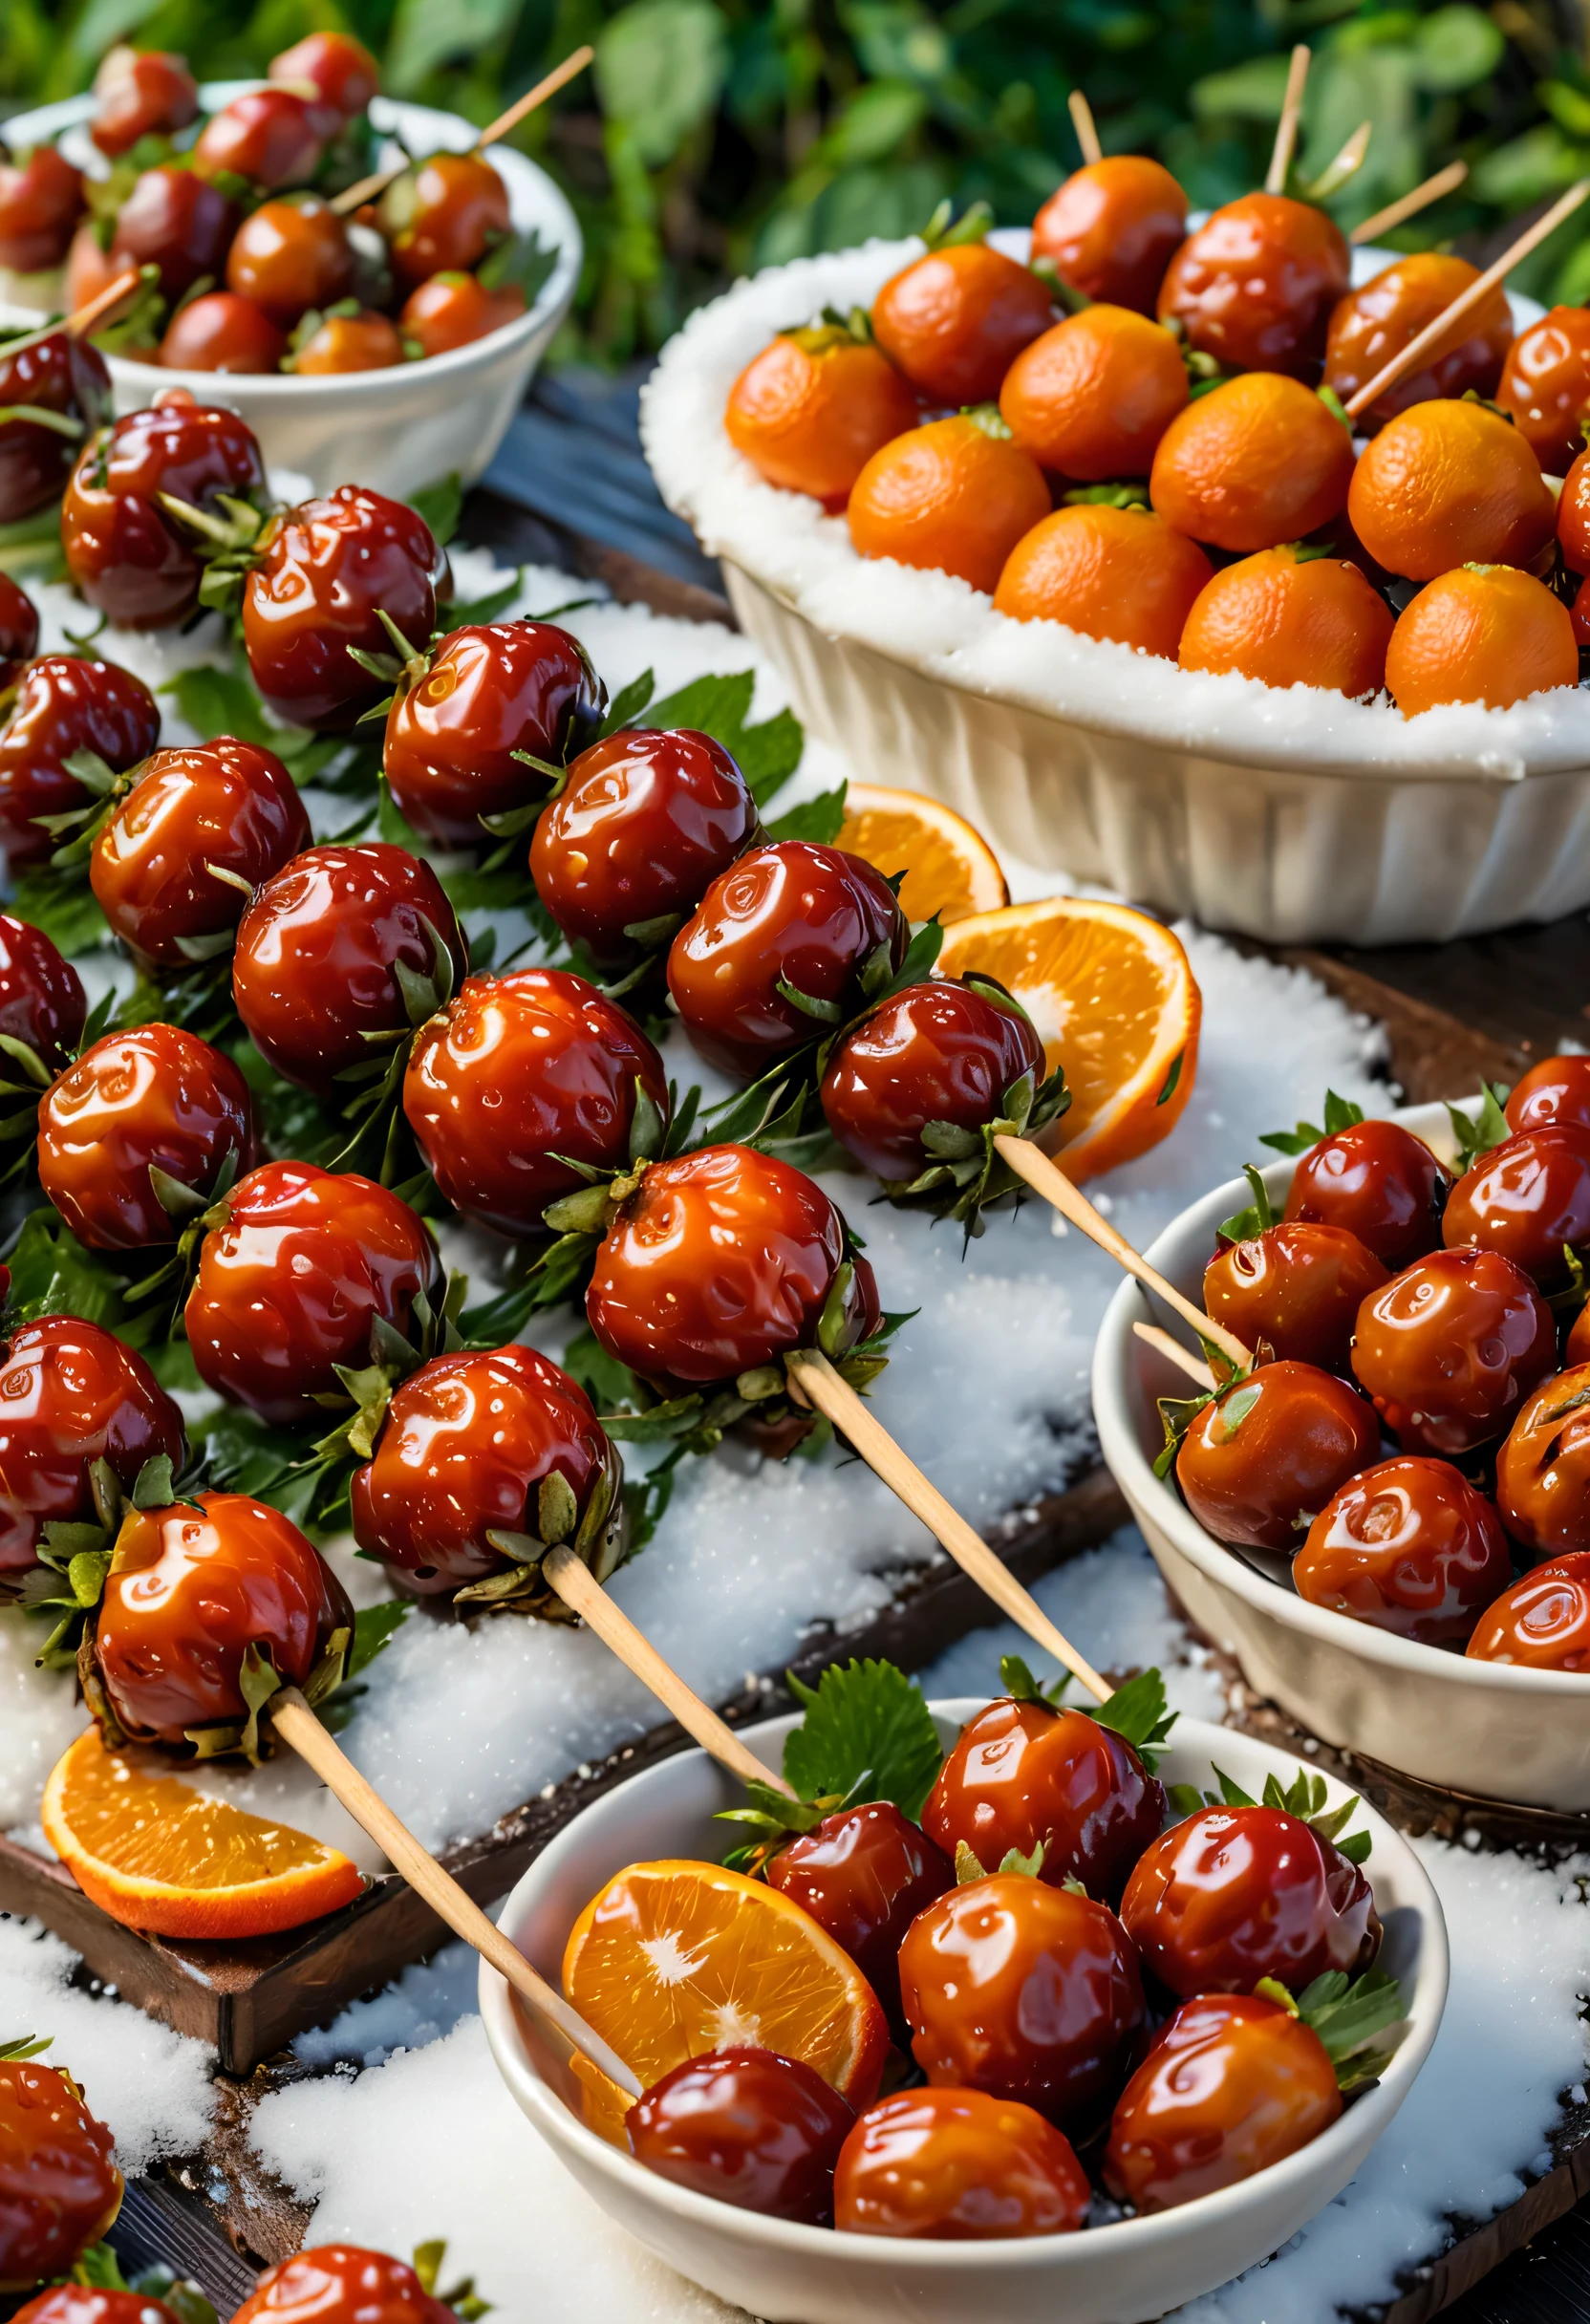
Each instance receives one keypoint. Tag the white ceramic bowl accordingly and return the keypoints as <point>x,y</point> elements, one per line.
<point>1487,1729</point>
<point>1290,815</point>
<point>1134,2269</point>
<point>394,430</point>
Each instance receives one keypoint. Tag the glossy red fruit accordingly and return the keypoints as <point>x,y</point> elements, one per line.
<point>1025,1776</point>
<point>78,2304</point>
<point>1299,1286</point>
<point>60,374</point>
<point>175,220</point>
<point>291,1286</point>
<point>718,1263</point>
<point>1542,1622</point>
<point>467,1442</point>
<point>1450,1347</point>
<point>365,341</point>
<point>152,1098</point>
<point>126,555</point>
<point>1112,229</point>
<point>788,914</point>
<point>644,824</point>
<point>225,807</point>
<point>443,215</point>
<point>1545,386</point>
<point>863,1874</point>
<point>1255,284</point>
<point>1260,1463</point>
<point>957,2166</point>
<point>290,255</point>
<point>41,200</point>
<point>340,69</point>
<point>72,1393</point>
<point>314,971</point>
<point>42,1001</point>
<point>1527,1198</point>
<point>222,332</point>
<point>519,1077</point>
<point>1231,1895</point>
<point>188,1592</point>
<point>142,93</point>
<point>1409,1546</point>
<point>1028,1991</point>
<point>341,2284</point>
<point>64,704</point>
<point>946,1050</point>
<point>18,630</point>
<point>59,2187</point>
<point>1380,1182</point>
<point>491,689</point>
<point>953,321</point>
<point>326,570</point>
<point>1230,2085</point>
<point>268,136</point>
<point>1553,1096</point>
<point>747,2126</point>
<point>454,310</point>
<point>1543,1469</point>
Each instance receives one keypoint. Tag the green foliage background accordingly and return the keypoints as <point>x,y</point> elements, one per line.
<point>716,135</point>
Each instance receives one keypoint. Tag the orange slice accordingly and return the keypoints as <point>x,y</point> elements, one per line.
<point>672,1959</point>
<point>1114,1001</point>
<point>949,868</point>
<point>152,1851</point>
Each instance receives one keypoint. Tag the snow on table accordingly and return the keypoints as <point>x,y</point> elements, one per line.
<point>989,1390</point>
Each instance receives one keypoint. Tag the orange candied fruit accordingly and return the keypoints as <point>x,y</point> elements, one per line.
<point>1485,634</point>
<point>1292,618</point>
<point>1450,483</point>
<point>1117,573</point>
<point>955,320</point>
<point>1255,286</point>
<point>1377,321</point>
<point>1572,516</point>
<point>1258,460</point>
<point>1545,386</point>
<point>809,411</point>
<point>1112,229</point>
<point>1092,398</point>
<point>950,498</point>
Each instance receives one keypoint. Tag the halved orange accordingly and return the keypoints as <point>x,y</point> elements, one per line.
<point>154,1852</point>
<point>672,1959</point>
<point>949,868</point>
<point>1115,1001</point>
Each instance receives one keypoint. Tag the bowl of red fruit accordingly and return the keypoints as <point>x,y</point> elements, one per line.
<point>1004,2022</point>
<point>1385,1520</point>
<point>393,340</point>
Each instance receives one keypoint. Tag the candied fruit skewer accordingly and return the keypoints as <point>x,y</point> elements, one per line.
<point>368,189</point>
<point>1181,1357</point>
<point>1083,122</point>
<point>1409,206</point>
<point>1287,128</point>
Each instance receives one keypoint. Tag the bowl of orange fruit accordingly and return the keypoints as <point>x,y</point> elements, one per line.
<point>1073,530</point>
<point>848,2109</point>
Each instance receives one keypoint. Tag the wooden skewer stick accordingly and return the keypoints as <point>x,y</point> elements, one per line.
<point>1057,1188</point>
<point>1082,122</point>
<point>1408,205</point>
<point>1410,355</point>
<point>584,1595</point>
<point>367,188</point>
<point>297,1725</point>
<point>1181,1357</point>
<point>814,1378</point>
<point>103,308</point>
<point>1347,164</point>
<point>1286,129</point>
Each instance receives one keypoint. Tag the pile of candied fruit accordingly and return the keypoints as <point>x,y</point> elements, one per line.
<point>1141,434</point>
<point>249,262</point>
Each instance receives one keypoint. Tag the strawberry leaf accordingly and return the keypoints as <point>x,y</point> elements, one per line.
<point>864,1719</point>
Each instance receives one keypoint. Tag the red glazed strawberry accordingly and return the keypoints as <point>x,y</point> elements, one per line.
<point>71,1395</point>
<point>18,631</point>
<point>143,93</point>
<point>864,1873</point>
<point>1450,1347</point>
<point>59,2187</point>
<point>751,2128</point>
<point>64,705</point>
<point>140,1134</point>
<point>1380,1182</point>
<point>42,1002</point>
<point>341,2284</point>
<point>60,375</point>
<point>41,200</point>
<point>1261,1459</point>
<point>127,553</point>
<point>325,580</point>
<point>957,2166</point>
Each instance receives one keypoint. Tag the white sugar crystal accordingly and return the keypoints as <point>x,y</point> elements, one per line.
<point>150,2086</point>
<point>38,1718</point>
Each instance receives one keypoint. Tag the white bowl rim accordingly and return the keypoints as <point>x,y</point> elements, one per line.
<point>392,381</point>
<point>1116,1347</point>
<point>1013,2252</point>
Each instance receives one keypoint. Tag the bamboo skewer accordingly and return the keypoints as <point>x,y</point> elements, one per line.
<point>1408,205</point>
<point>103,308</point>
<point>1181,1357</point>
<point>367,188</point>
<point>584,1595</point>
<point>298,1727</point>
<point>816,1383</point>
<point>1480,287</point>
<point>1042,1176</point>
<point>1346,165</point>
<point>1083,122</point>
<point>1286,129</point>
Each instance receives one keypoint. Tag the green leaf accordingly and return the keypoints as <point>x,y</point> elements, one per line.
<point>441,505</point>
<point>864,1719</point>
<point>968,1864</point>
<point>1260,1216</point>
<point>374,1626</point>
<point>819,820</point>
<point>1476,1138</point>
<point>1346,2016</point>
<point>1137,1712</point>
<point>1457,48</point>
<point>520,261</point>
<point>1340,1114</point>
<point>660,64</point>
<point>766,754</point>
<point>66,910</point>
<point>26,2046</point>
<point>628,703</point>
<point>99,2269</point>
<point>220,701</point>
<point>1019,1683</point>
<point>474,612</point>
<point>52,1274</point>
